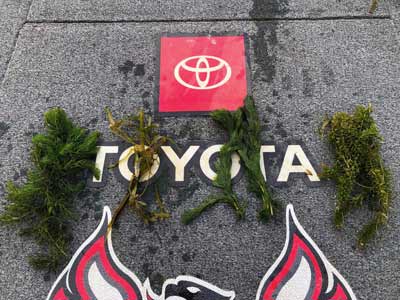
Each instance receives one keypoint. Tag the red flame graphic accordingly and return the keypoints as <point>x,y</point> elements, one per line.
<point>302,272</point>
<point>95,272</point>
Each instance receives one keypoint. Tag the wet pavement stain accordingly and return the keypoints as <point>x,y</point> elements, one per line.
<point>328,75</point>
<point>156,280</point>
<point>279,130</point>
<point>266,37</point>
<point>308,84</point>
<point>286,83</point>
<point>146,269</point>
<point>122,91</point>
<point>126,68</point>
<point>188,257</point>
<point>153,249</point>
<point>139,70</point>
<point>3,128</point>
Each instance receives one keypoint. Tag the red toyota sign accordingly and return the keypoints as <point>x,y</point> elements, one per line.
<point>202,73</point>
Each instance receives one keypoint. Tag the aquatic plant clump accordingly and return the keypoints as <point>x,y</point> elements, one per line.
<point>358,170</point>
<point>142,134</point>
<point>243,127</point>
<point>44,205</point>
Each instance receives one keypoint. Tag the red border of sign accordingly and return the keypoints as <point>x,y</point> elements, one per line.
<point>159,114</point>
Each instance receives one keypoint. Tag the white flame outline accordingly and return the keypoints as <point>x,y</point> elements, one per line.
<point>105,218</point>
<point>330,269</point>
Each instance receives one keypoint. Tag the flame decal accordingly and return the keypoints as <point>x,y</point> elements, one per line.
<point>302,272</point>
<point>95,273</point>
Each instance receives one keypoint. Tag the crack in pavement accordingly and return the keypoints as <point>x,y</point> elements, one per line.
<point>14,45</point>
<point>190,20</point>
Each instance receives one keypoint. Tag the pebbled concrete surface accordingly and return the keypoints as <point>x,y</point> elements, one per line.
<point>300,71</point>
<point>198,10</point>
<point>13,14</point>
<point>394,6</point>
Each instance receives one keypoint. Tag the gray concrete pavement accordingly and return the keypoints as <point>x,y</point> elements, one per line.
<point>300,70</point>
<point>395,15</point>
<point>13,14</point>
<point>182,9</point>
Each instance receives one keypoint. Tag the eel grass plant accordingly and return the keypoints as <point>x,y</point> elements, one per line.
<point>243,127</point>
<point>45,203</point>
<point>358,170</point>
<point>143,136</point>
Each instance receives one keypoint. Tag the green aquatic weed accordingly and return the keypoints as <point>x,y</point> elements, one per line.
<point>45,203</point>
<point>243,127</point>
<point>142,134</point>
<point>249,154</point>
<point>232,122</point>
<point>358,170</point>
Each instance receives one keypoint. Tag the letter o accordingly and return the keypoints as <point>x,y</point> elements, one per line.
<point>205,162</point>
<point>126,172</point>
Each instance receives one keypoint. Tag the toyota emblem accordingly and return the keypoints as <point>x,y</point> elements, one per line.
<point>203,66</point>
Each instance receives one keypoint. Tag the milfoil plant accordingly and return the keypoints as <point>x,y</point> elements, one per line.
<point>44,205</point>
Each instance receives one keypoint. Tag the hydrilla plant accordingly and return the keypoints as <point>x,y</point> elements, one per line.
<point>249,154</point>
<point>232,122</point>
<point>358,170</point>
<point>243,127</point>
<point>44,205</point>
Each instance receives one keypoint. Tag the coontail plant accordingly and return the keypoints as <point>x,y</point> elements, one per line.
<point>358,169</point>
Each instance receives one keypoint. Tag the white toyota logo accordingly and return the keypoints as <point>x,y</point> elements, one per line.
<point>203,66</point>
